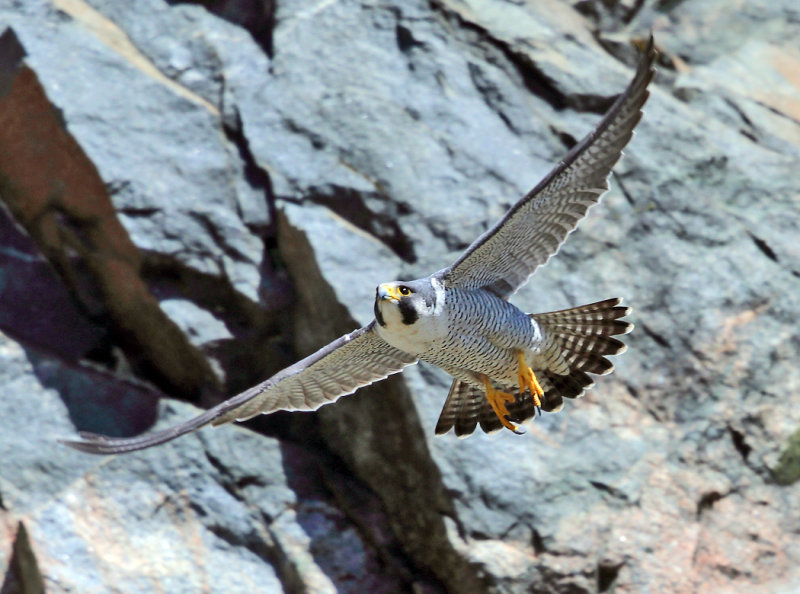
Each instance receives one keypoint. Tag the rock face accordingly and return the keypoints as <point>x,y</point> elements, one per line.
<point>197,194</point>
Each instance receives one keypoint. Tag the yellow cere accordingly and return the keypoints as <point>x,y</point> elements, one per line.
<point>394,292</point>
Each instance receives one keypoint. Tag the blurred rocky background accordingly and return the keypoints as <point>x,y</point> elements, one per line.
<point>195,194</point>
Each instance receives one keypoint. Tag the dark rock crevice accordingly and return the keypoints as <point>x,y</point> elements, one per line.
<point>609,15</point>
<point>659,339</point>
<point>374,213</point>
<point>537,542</point>
<point>255,16</point>
<point>740,443</point>
<point>259,345</point>
<point>565,137</point>
<point>494,50</point>
<point>23,575</point>
<point>491,95</point>
<point>763,246</point>
<point>412,493</point>
<point>262,548</point>
<point>361,507</point>
<point>405,39</point>
<point>707,501</point>
<point>750,131</point>
<point>502,53</point>
<point>612,495</point>
<point>619,180</point>
<point>66,210</point>
<point>255,175</point>
<point>607,574</point>
<point>532,77</point>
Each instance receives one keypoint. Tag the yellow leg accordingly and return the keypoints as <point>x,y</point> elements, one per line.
<point>527,379</point>
<point>498,401</point>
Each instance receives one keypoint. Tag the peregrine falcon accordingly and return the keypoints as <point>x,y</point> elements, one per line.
<point>506,364</point>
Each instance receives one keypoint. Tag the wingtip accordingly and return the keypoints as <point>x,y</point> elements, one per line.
<point>646,67</point>
<point>648,48</point>
<point>95,444</point>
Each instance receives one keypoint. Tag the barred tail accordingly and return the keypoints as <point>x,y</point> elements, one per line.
<point>579,340</point>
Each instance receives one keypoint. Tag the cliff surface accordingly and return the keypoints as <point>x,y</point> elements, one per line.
<point>196,195</point>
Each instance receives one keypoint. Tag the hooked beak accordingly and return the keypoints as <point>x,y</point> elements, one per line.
<point>386,292</point>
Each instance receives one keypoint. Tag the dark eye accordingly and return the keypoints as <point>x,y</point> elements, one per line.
<point>404,291</point>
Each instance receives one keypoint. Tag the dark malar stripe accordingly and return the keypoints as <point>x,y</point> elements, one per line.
<point>379,315</point>
<point>408,312</point>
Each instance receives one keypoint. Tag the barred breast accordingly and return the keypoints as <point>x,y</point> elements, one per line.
<point>482,335</point>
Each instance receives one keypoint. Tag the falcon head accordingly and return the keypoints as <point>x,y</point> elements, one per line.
<point>404,303</point>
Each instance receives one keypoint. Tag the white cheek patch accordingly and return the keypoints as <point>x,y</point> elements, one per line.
<point>438,289</point>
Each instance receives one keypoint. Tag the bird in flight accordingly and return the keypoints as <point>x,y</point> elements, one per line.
<point>506,364</point>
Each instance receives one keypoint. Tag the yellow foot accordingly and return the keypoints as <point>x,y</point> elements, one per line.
<point>498,401</point>
<point>527,379</point>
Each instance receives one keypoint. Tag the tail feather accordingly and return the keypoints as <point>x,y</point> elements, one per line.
<point>461,409</point>
<point>589,362</point>
<point>467,406</point>
<point>600,345</point>
<point>580,339</point>
<point>571,385</point>
<point>595,319</point>
<point>583,337</point>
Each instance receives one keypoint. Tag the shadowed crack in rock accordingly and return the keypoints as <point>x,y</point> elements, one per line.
<point>740,443</point>
<point>395,461</point>
<point>658,338</point>
<point>606,575</point>
<point>256,16</point>
<point>55,193</point>
<point>264,539</point>
<point>256,175</point>
<point>706,502</point>
<point>609,14</point>
<point>614,494</point>
<point>325,493</point>
<point>374,213</point>
<point>23,574</point>
<point>343,498</point>
<point>533,78</point>
<point>763,246</point>
<point>497,51</point>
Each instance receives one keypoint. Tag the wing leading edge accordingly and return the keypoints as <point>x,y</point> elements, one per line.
<point>505,256</point>
<point>338,369</point>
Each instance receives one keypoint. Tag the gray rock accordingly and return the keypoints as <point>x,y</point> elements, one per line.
<point>387,136</point>
<point>677,238</point>
<point>248,513</point>
<point>150,180</point>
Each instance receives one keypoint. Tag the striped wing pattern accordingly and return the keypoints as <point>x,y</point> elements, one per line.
<point>340,368</point>
<point>503,258</point>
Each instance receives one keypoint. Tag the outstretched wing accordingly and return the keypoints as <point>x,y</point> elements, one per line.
<point>504,257</point>
<point>348,363</point>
